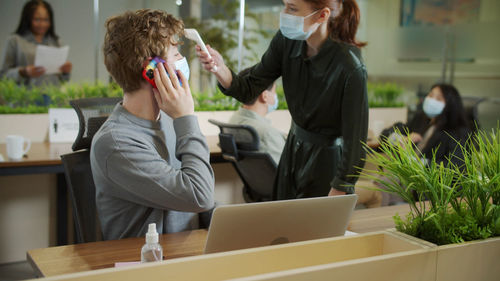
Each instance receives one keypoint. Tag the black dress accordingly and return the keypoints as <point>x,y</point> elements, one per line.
<point>326,96</point>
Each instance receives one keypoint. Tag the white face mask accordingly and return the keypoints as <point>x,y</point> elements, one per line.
<point>433,107</point>
<point>292,27</point>
<point>182,66</point>
<point>273,107</point>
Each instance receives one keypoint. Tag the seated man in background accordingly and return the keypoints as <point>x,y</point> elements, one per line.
<point>149,167</point>
<point>253,114</point>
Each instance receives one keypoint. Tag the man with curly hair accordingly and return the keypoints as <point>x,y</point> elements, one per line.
<point>149,160</point>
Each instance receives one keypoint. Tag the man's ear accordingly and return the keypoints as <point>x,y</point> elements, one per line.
<point>264,96</point>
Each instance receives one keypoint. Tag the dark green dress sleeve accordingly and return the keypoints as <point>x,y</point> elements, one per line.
<point>354,130</point>
<point>261,75</point>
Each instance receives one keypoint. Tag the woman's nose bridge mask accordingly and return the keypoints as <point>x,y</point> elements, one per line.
<point>292,26</point>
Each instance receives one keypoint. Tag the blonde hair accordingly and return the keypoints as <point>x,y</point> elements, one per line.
<point>134,36</point>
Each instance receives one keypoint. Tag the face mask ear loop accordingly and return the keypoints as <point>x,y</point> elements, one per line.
<point>312,14</point>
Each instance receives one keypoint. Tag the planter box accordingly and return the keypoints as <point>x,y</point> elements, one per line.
<point>372,256</point>
<point>36,126</point>
<point>32,126</point>
<point>384,117</point>
<point>473,260</point>
<point>280,119</point>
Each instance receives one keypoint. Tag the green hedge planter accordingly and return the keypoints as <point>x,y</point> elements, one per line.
<point>16,99</point>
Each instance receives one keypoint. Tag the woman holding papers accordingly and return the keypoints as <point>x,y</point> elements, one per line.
<point>324,78</point>
<point>35,28</point>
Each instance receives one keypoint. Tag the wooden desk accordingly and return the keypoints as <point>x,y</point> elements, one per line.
<point>44,158</point>
<point>215,151</point>
<point>97,255</point>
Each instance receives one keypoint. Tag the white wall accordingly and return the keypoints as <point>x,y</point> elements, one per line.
<point>381,22</point>
<point>27,215</point>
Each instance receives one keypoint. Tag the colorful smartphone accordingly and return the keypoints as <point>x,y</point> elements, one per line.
<point>148,72</point>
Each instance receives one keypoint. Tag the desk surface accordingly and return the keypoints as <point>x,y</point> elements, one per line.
<point>104,254</point>
<point>40,154</point>
<point>47,154</point>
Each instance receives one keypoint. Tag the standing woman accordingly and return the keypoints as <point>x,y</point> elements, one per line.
<point>324,79</point>
<point>35,28</point>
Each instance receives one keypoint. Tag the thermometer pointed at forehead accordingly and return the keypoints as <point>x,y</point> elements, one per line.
<point>192,34</point>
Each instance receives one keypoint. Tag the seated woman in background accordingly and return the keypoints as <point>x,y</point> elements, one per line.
<point>442,126</point>
<point>35,28</point>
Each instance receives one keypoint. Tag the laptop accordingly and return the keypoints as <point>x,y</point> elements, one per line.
<point>242,226</point>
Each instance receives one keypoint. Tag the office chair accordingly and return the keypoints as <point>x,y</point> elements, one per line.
<point>239,145</point>
<point>471,111</point>
<point>92,113</point>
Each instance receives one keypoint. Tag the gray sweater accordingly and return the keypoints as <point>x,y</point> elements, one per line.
<point>139,181</point>
<point>272,141</point>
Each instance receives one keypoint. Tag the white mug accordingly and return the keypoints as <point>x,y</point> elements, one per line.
<point>15,146</point>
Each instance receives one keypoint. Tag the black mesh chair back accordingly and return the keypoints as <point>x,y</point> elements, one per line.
<point>92,112</point>
<point>82,195</point>
<point>240,145</point>
<point>489,114</point>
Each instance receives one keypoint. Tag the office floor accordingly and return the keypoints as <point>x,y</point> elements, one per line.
<point>16,271</point>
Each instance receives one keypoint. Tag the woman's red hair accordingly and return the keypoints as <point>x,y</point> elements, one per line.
<point>344,26</point>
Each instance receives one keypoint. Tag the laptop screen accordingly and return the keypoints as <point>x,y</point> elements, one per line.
<point>242,226</point>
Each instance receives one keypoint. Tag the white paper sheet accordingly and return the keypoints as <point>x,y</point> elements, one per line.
<point>63,124</point>
<point>52,58</point>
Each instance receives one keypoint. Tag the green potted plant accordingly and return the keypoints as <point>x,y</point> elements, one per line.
<point>384,95</point>
<point>386,106</point>
<point>23,110</point>
<point>453,206</point>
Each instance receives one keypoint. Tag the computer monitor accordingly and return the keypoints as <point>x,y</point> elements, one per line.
<point>242,226</point>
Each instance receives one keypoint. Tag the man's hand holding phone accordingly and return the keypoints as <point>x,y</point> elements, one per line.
<point>172,98</point>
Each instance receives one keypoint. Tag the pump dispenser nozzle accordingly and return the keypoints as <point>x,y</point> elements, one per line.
<point>152,250</point>
<point>152,235</point>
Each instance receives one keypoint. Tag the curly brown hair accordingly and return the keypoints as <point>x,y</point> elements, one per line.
<point>134,36</point>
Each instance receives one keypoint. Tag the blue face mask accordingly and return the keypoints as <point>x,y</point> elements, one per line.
<point>292,27</point>
<point>433,107</point>
<point>273,107</point>
<point>182,66</point>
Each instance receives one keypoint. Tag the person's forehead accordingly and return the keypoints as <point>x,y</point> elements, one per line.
<point>40,10</point>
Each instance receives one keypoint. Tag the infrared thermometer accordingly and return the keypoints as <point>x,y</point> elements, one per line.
<point>193,35</point>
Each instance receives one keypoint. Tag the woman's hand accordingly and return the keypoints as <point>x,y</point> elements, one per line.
<point>222,72</point>
<point>172,98</point>
<point>415,137</point>
<point>334,192</point>
<point>209,63</point>
<point>32,71</point>
<point>66,67</point>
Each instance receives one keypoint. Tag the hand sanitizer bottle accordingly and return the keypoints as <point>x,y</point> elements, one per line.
<point>152,250</point>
